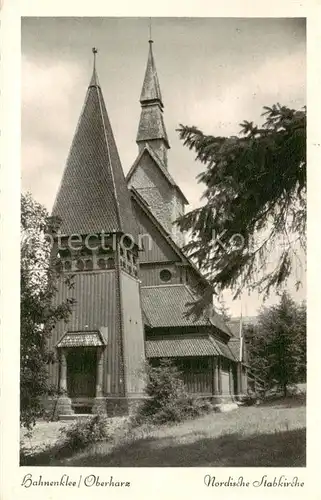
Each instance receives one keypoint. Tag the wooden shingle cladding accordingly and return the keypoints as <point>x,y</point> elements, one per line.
<point>167,306</point>
<point>159,303</point>
<point>155,186</point>
<point>93,194</point>
<point>151,128</point>
<point>82,339</point>
<point>148,151</point>
<point>173,346</point>
<point>153,235</point>
<point>153,247</point>
<point>151,91</point>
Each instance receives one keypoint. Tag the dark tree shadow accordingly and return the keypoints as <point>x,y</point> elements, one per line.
<point>290,402</point>
<point>281,449</point>
<point>55,453</point>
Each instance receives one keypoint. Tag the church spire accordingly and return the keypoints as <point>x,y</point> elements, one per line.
<point>151,129</point>
<point>93,195</point>
<point>151,88</point>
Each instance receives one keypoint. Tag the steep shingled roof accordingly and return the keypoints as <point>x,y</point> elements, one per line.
<point>151,123</point>
<point>224,349</point>
<point>151,88</point>
<point>93,195</point>
<point>160,301</point>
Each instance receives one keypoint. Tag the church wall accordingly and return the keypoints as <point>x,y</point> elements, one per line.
<point>155,247</point>
<point>225,381</point>
<point>155,189</point>
<point>133,334</point>
<point>158,146</point>
<point>244,380</point>
<point>149,275</point>
<point>178,209</point>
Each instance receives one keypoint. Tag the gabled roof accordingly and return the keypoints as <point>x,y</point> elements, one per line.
<point>93,195</point>
<point>147,149</point>
<point>82,339</point>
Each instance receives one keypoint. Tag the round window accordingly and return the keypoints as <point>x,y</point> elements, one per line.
<point>165,275</point>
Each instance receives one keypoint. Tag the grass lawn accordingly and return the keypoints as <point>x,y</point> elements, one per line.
<point>268,435</point>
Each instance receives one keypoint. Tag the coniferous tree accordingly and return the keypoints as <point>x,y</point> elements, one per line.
<point>277,345</point>
<point>255,192</point>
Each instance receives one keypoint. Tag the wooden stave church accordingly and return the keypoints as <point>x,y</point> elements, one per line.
<point>131,293</point>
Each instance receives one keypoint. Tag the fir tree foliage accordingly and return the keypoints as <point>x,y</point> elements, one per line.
<point>39,315</point>
<point>255,201</point>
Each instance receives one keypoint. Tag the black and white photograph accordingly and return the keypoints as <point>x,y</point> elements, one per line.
<point>163,245</point>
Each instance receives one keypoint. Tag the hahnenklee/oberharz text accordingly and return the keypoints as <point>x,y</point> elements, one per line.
<point>65,480</point>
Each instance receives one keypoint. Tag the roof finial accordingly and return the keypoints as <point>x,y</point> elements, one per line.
<point>94,79</point>
<point>94,50</point>
<point>150,31</point>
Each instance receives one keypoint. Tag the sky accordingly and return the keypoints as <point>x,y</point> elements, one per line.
<point>214,73</point>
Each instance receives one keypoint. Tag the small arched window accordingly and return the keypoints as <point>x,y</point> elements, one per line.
<point>80,265</point>
<point>110,263</point>
<point>89,265</point>
<point>102,264</point>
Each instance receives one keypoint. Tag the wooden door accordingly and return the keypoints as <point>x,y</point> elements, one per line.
<point>81,372</point>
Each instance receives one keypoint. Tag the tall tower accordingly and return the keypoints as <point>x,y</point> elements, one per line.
<point>149,174</point>
<point>101,349</point>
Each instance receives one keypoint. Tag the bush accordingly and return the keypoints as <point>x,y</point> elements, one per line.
<point>85,431</point>
<point>198,407</point>
<point>168,400</point>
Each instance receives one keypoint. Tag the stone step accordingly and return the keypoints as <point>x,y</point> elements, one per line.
<point>75,416</point>
<point>225,407</point>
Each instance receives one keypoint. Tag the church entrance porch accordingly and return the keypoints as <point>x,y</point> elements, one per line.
<point>81,357</point>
